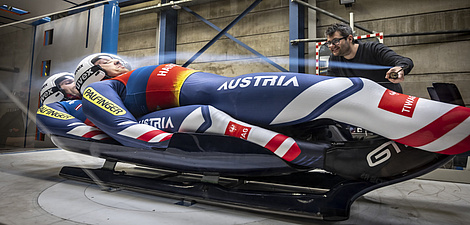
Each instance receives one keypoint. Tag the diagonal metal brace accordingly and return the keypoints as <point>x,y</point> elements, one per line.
<point>221,33</point>
<point>236,40</point>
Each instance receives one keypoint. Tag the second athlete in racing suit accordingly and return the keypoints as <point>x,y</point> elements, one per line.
<point>273,99</point>
<point>67,119</point>
<point>61,115</point>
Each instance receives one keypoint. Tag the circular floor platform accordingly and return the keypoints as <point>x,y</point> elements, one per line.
<point>32,193</point>
<point>85,203</point>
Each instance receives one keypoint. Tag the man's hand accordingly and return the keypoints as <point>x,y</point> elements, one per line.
<point>396,69</point>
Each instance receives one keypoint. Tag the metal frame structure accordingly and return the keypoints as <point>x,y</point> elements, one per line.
<point>222,32</point>
<point>109,39</point>
<point>296,24</point>
<point>167,36</point>
<point>235,40</point>
<point>296,31</point>
<point>168,32</point>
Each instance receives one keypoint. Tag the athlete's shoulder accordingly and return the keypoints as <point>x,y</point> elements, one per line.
<point>105,83</point>
<point>72,104</point>
<point>142,71</point>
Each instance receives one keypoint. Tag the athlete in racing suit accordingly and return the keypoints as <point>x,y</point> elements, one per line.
<point>268,99</point>
<point>66,118</point>
<point>61,111</point>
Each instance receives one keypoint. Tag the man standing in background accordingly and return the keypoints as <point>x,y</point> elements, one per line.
<point>350,58</point>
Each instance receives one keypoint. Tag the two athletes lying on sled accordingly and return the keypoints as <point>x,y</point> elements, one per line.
<point>209,103</point>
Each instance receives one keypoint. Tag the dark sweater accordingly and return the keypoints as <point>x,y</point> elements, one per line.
<point>368,54</point>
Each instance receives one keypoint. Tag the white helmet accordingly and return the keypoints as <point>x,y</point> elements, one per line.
<point>51,92</point>
<point>87,72</point>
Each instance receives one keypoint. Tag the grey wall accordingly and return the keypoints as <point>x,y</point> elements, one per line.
<point>437,58</point>
<point>15,51</point>
<point>138,35</point>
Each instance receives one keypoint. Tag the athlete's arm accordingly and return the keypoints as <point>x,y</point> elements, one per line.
<point>55,118</point>
<point>103,105</point>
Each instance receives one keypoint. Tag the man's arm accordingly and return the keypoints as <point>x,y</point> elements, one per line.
<point>400,64</point>
<point>388,57</point>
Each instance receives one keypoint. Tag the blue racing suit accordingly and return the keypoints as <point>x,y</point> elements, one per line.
<point>272,99</point>
<point>67,119</point>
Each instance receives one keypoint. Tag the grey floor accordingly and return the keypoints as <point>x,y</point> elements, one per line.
<point>33,193</point>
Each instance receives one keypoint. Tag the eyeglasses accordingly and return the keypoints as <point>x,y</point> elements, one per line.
<point>334,41</point>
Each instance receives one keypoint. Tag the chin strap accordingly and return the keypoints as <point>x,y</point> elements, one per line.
<point>101,70</point>
<point>92,71</point>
